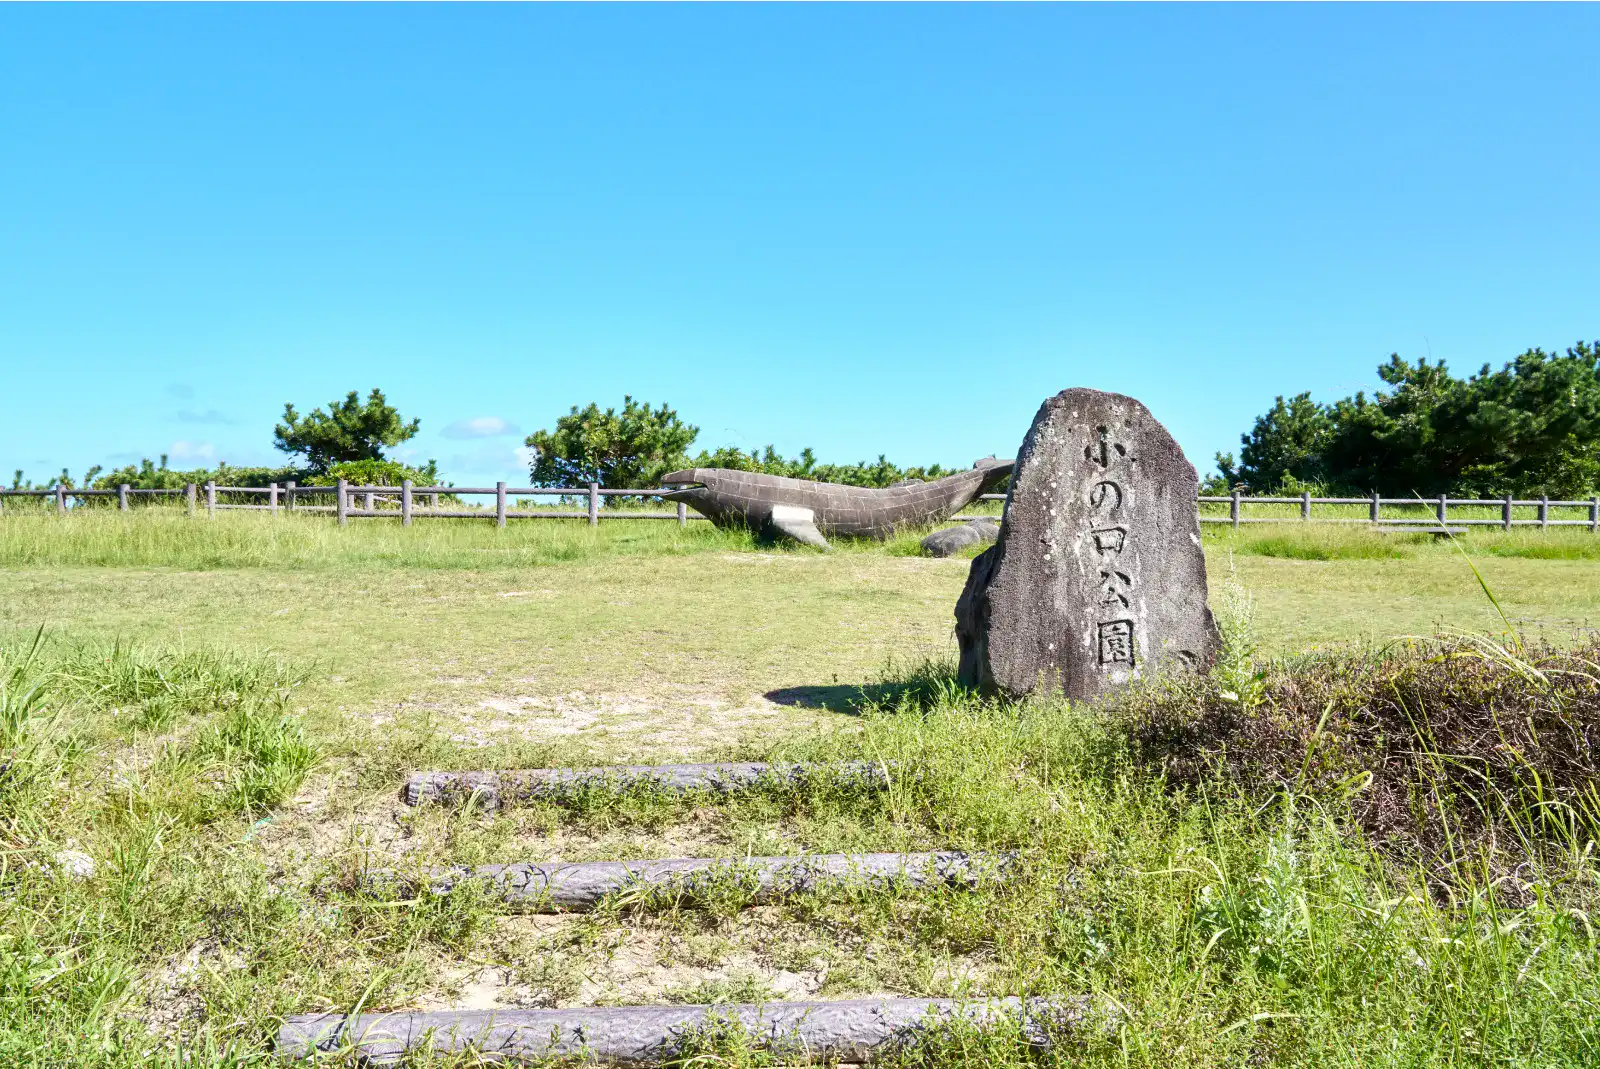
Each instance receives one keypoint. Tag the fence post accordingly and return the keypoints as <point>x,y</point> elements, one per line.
<point>61,499</point>
<point>288,495</point>
<point>683,514</point>
<point>1505,513</point>
<point>1544,512</point>
<point>188,496</point>
<point>1233,508</point>
<point>1305,505</point>
<point>405,502</point>
<point>370,501</point>
<point>122,497</point>
<point>1594,515</point>
<point>340,508</point>
<point>594,504</point>
<point>211,498</point>
<point>1377,503</point>
<point>272,497</point>
<point>1444,505</point>
<point>500,504</point>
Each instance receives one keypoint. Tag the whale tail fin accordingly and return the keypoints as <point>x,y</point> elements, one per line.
<point>797,523</point>
<point>993,470</point>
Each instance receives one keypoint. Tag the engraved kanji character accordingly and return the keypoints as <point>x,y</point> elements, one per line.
<point>1116,642</point>
<point>1103,450</point>
<point>1105,496</point>
<point>1114,588</point>
<point>1109,540</point>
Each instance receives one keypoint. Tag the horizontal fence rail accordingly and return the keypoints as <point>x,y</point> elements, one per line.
<point>407,503</point>
<point>1437,511</point>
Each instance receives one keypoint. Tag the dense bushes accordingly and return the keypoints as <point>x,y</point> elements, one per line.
<point>1435,744</point>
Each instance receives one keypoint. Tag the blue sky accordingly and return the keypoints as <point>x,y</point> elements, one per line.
<point>864,229</point>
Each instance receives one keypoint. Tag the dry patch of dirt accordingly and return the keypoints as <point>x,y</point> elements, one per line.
<point>672,723</point>
<point>174,1003</point>
<point>756,956</point>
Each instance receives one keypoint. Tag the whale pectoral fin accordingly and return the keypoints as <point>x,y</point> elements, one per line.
<point>797,523</point>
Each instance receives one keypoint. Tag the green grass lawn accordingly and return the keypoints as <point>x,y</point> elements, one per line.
<point>455,613</point>
<point>226,709</point>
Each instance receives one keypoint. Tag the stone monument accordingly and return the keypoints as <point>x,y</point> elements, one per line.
<point>1098,576</point>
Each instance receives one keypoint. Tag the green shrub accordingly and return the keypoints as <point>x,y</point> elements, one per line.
<point>376,473</point>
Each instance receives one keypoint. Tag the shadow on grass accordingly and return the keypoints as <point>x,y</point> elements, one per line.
<point>848,698</point>
<point>924,686</point>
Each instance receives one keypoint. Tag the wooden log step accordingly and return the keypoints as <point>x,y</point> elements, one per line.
<point>585,885</point>
<point>492,789</point>
<point>847,1031</point>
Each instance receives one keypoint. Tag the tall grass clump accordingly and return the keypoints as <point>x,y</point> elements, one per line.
<point>150,687</point>
<point>1318,542</point>
<point>115,855</point>
<point>1557,544</point>
<point>33,754</point>
<point>1209,872</point>
<point>169,539</point>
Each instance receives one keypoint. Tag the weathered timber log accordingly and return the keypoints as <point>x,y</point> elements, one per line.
<point>491,789</point>
<point>584,885</point>
<point>849,1031</point>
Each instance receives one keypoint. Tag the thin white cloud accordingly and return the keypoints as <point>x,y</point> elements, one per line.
<point>480,427</point>
<point>210,415</point>
<point>201,451</point>
<point>486,458</point>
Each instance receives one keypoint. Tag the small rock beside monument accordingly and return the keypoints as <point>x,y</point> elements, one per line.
<point>952,540</point>
<point>1098,576</point>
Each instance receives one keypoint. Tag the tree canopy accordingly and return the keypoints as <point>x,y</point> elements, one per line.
<point>350,430</point>
<point>770,462</point>
<point>1532,427</point>
<point>628,450</point>
<point>633,449</point>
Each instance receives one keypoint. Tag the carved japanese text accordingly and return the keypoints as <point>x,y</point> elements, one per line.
<point>1116,642</point>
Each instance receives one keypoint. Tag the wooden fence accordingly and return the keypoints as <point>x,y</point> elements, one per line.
<point>1436,511</point>
<point>407,502</point>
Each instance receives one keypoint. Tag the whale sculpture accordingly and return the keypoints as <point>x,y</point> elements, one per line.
<point>809,511</point>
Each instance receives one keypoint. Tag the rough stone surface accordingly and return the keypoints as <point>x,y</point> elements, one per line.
<point>951,540</point>
<point>584,885</point>
<point>848,1031</point>
<point>747,498</point>
<point>1098,575</point>
<point>491,789</point>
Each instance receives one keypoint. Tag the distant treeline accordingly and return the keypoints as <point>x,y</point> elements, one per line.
<point>344,442</point>
<point>156,475</point>
<point>1532,427</point>
<point>632,449</point>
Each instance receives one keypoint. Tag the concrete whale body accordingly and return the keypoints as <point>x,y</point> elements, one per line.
<point>776,503</point>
